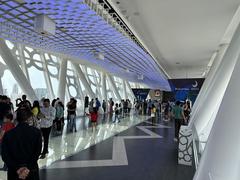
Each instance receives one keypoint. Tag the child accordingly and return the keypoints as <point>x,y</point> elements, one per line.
<point>153,113</point>
<point>93,118</point>
<point>7,126</point>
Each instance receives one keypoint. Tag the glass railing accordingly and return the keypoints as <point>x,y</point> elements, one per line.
<point>198,148</point>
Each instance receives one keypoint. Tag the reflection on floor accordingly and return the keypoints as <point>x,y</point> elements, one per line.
<point>68,143</point>
<point>146,151</point>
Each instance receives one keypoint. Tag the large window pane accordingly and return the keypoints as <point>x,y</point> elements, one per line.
<point>38,82</point>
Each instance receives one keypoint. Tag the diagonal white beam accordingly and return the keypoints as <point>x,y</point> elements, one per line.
<point>16,71</point>
<point>47,75</point>
<point>219,84</point>
<point>220,159</point>
<point>124,89</point>
<point>62,80</point>
<point>23,60</point>
<point>114,87</point>
<point>130,89</point>
<point>83,80</point>
<point>104,86</point>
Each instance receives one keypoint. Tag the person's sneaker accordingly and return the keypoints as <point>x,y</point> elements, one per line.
<point>175,139</point>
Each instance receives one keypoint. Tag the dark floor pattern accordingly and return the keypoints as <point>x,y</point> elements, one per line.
<point>148,159</point>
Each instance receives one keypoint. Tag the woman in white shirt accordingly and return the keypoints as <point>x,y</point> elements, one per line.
<point>49,113</point>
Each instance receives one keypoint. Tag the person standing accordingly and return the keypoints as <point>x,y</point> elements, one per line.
<point>59,115</point>
<point>4,108</point>
<point>116,110</point>
<point>21,148</point>
<point>144,107</point>
<point>46,124</point>
<point>186,112</point>
<point>98,104</point>
<point>7,126</point>
<point>93,115</point>
<point>111,104</point>
<point>23,102</point>
<point>72,107</point>
<point>129,106</point>
<point>177,113</point>
<point>104,106</point>
<point>91,105</point>
<point>153,113</point>
<point>36,114</point>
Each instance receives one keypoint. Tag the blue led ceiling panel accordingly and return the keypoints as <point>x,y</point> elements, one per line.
<point>80,33</point>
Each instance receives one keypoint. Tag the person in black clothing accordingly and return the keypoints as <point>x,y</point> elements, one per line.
<point>23,102</point>
<point>104,106</point>
<point>5,108</point>
<point>186,112</point>
<point>21,148</point>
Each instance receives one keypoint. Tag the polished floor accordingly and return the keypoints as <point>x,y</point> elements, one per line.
<point>132,149</point>
<point>68,143</point>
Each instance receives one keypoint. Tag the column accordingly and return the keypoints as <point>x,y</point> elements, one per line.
<point>207,83</point>
<point>104,87</point>
<point>78,84</point>
<point>16,71</point>
<point>83,80</point>
<point>2,69</point>
<point>130,89</point>
<point>62,80</point>
<point>23,61</point>
<point>218,85</point>
<point>47,75</point>
<point>97,84</point>
<point>114,87</point>
<point>124,89</point>
<point>221,156</point>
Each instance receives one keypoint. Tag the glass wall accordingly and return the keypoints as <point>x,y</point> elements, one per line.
<point>42,71</point>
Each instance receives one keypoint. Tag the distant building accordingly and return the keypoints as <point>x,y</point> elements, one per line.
<point>41,92</point>
<point>15,92</point>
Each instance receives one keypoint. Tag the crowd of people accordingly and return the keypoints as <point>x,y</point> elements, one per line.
<point>29,125</point>
<point>179,112</point>
<point>25,132</point>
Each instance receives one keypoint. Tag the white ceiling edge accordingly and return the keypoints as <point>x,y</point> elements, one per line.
<point>161,69</point>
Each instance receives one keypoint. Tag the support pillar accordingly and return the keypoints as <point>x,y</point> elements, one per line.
<point>97,84</point>
<point>2,69</point>
<point>218,85</point>
<point>62,80</point>
<point>78,85</point>
<point>114,87</point>
<point>207,83</point>
<point>47,75</point>
<point>104,87</point>
<point>23,61</point>
<point>124,89</point>
<point>83,80</point>
<point>220,159</point>
<point>130,89</point>
<point>16,71</point>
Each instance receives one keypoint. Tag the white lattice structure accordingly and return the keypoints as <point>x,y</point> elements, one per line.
<point>43,72</point>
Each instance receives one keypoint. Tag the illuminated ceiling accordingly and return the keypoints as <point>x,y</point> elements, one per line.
<point>80,33</point>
